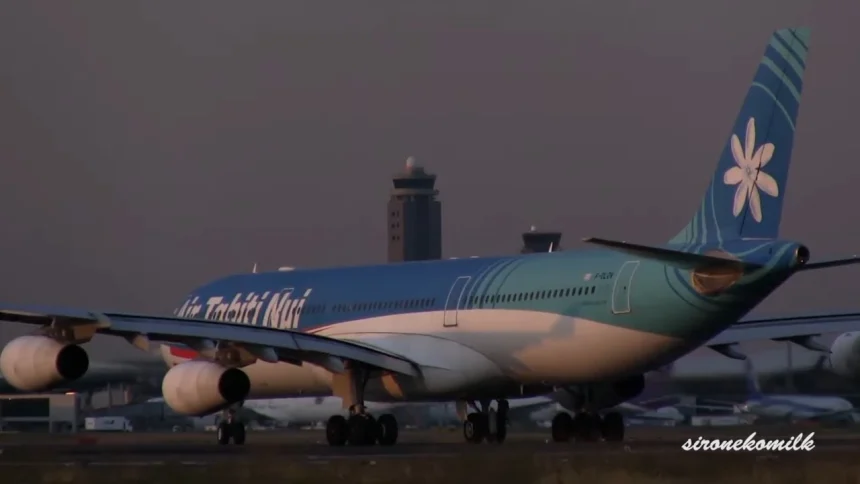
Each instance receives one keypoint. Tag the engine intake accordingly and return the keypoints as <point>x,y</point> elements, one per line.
<point>38,363</point>
<point>199,388</point>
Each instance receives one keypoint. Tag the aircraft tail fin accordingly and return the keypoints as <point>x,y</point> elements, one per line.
<point>745,196</point>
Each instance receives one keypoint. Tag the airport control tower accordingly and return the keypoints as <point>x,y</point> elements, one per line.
<point>414,216</point>
<point>535,241</point>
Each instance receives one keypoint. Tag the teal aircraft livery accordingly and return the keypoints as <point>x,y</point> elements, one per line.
<point>480,331</point>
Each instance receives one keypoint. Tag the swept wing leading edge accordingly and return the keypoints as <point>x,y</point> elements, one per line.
<point>287,345</point>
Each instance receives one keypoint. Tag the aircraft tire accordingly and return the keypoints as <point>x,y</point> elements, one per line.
<point>237,431</point>
<point>562,426</point>
<point>612,427</point>
<point>336,431</point>
<point>387,429</point>
<point>475,428</point>
<point>223,433</point>
<point>362,430</point>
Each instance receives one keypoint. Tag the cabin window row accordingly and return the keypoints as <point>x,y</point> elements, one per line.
<point>428,302</point>
<point>372,306</point>
<point>530,296</point>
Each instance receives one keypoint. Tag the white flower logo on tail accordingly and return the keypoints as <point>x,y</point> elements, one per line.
<point>748,175</point>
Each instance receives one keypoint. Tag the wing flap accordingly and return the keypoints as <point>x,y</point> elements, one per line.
<point>298,345</point>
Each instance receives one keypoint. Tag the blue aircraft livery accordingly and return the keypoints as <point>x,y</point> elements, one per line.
<point>746,193</point>
<point>486,328</point>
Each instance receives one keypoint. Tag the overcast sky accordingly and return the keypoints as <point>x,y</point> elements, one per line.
<point>148,147</point>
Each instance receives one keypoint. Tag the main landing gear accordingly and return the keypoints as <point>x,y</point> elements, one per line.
<point>588,427</point>
<point>231,428</point>
<point>360,428</point>
<point>487,424</point>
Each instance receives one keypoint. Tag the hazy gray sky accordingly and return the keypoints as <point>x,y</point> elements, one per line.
<point>150,146</point>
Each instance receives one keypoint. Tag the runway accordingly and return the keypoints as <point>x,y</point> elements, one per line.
<point>309,446</point>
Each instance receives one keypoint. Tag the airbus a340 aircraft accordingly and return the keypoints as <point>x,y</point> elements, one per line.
<point>588,322</point>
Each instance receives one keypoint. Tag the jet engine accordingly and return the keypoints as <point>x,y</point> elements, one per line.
<point>604,394</point>
<point>845,355</point>
<point>37,363</point>
<point>198,388</point>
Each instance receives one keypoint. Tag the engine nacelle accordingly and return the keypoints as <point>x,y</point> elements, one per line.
<point>198,388</point>
<point>605,394</point>
<point>845,355</point>
<point>37,363</point>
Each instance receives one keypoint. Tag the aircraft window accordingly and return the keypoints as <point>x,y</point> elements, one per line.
<point>433,301</point>
<point>593,288</point>
<point>555,293</point>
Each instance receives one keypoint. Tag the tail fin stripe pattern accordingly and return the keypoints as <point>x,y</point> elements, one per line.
<point>778,104</point>
<point>782,74</point>
<point>786,65</point>
<point>744,199</point>
<point>797,38</point>
<point>798,52</point>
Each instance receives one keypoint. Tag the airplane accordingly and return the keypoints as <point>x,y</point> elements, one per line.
<point>787,407</point>
<point>588,322</point>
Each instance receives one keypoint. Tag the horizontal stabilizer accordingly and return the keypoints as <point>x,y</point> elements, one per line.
<point>830,263</point>
<point>681,260</point>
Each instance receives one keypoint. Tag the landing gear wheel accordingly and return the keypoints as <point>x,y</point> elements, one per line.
<point>362,430</point>
<point>387,429</point>
<point>562,427</point>
<point>586,427</point>
<point>492,425</point>
<point>502,421</point>
<point>223,433</point>
<point>237,431</point>
<point>501,429</point>
<point>475,428</point>
<point>612,427</point>
<point>336,431</point>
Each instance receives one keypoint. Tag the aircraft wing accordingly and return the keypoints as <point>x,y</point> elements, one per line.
<point>267,344</point>
<point>800,329</point>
